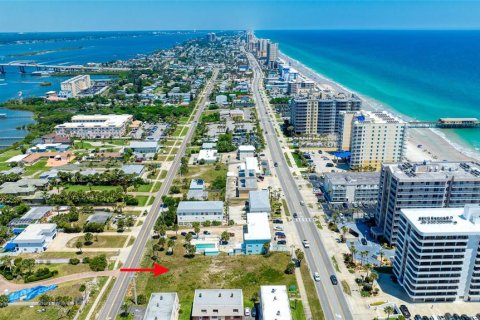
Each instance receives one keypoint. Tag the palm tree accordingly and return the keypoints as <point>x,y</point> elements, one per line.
<point>353,250</point>
<point>300,255</point>
<point>363,254</point>
<point>368,268</point>
<point>161,242</point>
<point>79,246</point>
<point>388,310</point>
<point>266,247</point>
<point>381,257</point>
<point>7,262</point>
<point>344,232</point>
<point>175,228</point>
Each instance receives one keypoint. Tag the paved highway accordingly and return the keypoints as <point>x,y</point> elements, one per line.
<point>331,297</point>
<point>117,294</point>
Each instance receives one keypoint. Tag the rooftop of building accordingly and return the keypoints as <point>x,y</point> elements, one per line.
<point>97,120</point>
<point>197,184</point>
<point>378,117</point>
<point>275,303</point>
<point>258,199</point>
<point>353,178</point>
<point>142,144</point>
<point>434,170</point>
<point>223,301</point>
<point>200,206</point>
<point>34,232</point>
<point>132,168</point>
<point>258,227</point>
<point>161,306</point>
<point>445,221</point>
<point>246,148</point>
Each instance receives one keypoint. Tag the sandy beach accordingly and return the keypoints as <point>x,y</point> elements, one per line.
<point>422,144</point>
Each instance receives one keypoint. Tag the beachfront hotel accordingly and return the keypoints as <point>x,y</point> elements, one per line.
<point>437,257</point>
<point>317,113</point>
<point>373,138</point>
<point>95,126</point>
<point>71,88</point>
<point>422,185</point>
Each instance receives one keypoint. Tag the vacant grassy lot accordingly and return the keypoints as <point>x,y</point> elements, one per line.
<point>39,165</point>
<point>144,187</point>
<point>244,272</point>
<point>142,200</point>
<point>102,242</point>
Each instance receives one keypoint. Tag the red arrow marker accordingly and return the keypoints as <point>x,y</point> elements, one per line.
<point>156,270</point>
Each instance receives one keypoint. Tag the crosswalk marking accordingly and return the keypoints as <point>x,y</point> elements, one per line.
<point>301,219</point>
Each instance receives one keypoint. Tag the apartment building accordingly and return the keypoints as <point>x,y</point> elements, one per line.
<point>438,254</point>
<point>189,212</point>
<point>95,126</point>
<point>274,303</point>
<point>423,185</point>
<point>220,304</point>
<point>352,187</point>
<point>72,87</point>
<point>318,113</point>
<point>375,138</point>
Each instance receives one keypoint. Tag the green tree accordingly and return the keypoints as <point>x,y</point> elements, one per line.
<point>300,255</point>
<point>98,263</point>
<point>225,236</point>
<point>3,301</point>
<point>188,238</point>
<point>175,228</point>
<point>79,246</point>
<point>290,269</point>
<point>388,310</point>
<point>44,300</point>
<point>28,264</point>
<point>88,238</point>
<point>196,227</point>
<point>266,248</point>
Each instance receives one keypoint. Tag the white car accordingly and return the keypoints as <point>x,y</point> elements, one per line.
<point>247,311</point>
<point>316,276</point>
<point>306,244</point>
<point>278,228</point>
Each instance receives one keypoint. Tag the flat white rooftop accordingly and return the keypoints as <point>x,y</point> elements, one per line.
<point>247,148</point>
<point>275,303</point>
<point>445,221</point>
<point>35,232</point>
<point>97,121</point>
<point>258,227</point>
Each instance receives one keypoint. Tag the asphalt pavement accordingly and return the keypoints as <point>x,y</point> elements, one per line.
<point>331,297</point>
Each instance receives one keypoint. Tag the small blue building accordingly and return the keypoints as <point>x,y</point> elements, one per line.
<point>256,233</point>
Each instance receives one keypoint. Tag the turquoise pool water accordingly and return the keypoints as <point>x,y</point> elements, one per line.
<point>205,246</point>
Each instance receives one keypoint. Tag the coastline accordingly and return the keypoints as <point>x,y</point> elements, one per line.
<point>435,146</point>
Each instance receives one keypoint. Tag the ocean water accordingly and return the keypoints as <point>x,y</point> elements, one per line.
<point>66,49</point>
<point>423,75</point>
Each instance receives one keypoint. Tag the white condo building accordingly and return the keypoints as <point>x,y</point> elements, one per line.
<point>438,254</point>
<point>72,87</point>
<point>375,138</point>
<point>95,126</point>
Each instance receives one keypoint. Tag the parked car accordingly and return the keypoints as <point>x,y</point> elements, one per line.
<point>206,232</point>
<point>334,280</point>
<point>306,244</point>
<point>330,165</point>
<point>418,317</point>
<point>279,233</point>
<point>279,221</point>
<point>254,312</point>
<point>364,241</point>
<point>276,164</point>
<point>403,308</point>
<point>247,311</point>
<point>279,228</point>
<point>295,215</point>
<point>282,242</point>
<point>302,203</point>
<point>316,276</point>
<point>183,233</point>
<point>282,236</point>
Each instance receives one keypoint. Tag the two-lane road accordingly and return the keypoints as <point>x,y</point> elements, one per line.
<point>117,294</point>
<point>331,297</point>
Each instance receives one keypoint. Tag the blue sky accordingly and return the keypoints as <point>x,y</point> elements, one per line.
<point>74,15</point>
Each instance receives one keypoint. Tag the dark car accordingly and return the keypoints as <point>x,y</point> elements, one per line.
<point>425,318</point>
<point>330,165</point>
<point>276,164</point>
<point>334,280</point>
<point>183,233</point>
<point>364,241</point>
<point>405,311</point>
<point>279,233</point>
<point>282,242</point>
<point>279,221</point>
<point>465,317</point>
<point>418,317</point>
<point>206,232</point>
<point>282,236</point>
<point>295,215</point>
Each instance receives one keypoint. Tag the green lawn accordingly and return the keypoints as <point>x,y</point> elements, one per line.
<point>181,131</point>
<point>244,272</point>
<point>296,307</point>
<point>288,159</point>
<point>298,161</point>
<point>71,187</point>
<point>100,241</point>
<point>37,166</point>
<point>142,200</point>
<point>144,187</point>
<point>4,156</point>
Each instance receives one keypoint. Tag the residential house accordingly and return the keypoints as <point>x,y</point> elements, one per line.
<point>256,233</point>
<point>199,211</point>
<point>35,237</point>
<point>220,304</point>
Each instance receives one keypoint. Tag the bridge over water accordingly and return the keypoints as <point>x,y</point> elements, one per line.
<point>24,65</point>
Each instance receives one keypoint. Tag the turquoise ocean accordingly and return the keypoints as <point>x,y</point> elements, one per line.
<point>423,75</point>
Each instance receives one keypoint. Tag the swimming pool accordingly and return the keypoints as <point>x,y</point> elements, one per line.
<point>205,246</point>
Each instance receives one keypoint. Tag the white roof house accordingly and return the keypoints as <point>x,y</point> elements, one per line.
<point>274,303</point>
<point>251,165</point>
<point>162,306</point>
<point>208,156</point>
<point>35,237</point>
<point>258,227</point>
<point>247,148</point>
